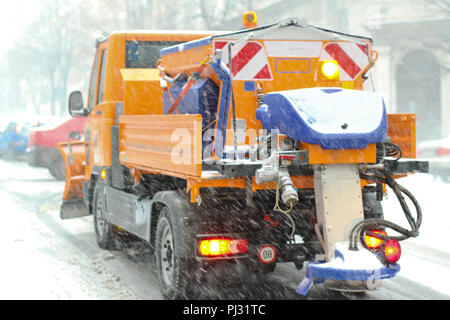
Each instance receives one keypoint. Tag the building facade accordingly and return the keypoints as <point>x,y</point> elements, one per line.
<point>412,39</point>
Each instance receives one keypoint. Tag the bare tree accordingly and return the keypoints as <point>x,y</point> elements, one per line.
<point>58,42</point>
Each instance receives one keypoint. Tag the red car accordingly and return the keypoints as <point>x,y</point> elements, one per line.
<point>42,146</point>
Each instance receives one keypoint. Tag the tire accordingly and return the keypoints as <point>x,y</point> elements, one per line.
<point>31,159</point>
<point>176,271</point>
<point>10,155</point>
<point>104,231</point>
<point>57,169</point>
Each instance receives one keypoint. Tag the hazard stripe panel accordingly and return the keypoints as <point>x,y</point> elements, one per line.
<point>351,57</point>
<point>248,60</point>
<point>344,60</point>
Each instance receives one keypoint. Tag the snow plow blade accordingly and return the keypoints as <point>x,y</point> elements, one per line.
<point>348,271</point>
<point>73,205</point>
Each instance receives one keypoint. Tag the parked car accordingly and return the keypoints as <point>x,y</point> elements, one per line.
<point>42,146</point>
<point>14,139</point>
<point>437,152</point>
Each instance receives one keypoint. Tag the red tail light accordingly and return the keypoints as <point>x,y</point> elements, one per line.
<point>391,250</point>
<point>287,157</point>
<point>374,243</point>
<point>443,151</point>
<point>214,247</point>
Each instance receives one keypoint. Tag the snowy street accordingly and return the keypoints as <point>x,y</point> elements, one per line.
<point>44,257</point>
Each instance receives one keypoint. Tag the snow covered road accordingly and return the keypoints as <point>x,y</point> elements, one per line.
<point>44,257</point>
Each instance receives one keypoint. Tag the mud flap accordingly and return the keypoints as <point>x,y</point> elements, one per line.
<point>73,209</point>
<point>339,203</point>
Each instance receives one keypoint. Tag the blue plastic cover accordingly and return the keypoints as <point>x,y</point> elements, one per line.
<point>333,118</point>
<point>200,99</point>
<point>361,265</point>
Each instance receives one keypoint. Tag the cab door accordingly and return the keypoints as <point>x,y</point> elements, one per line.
<point>96,112</point>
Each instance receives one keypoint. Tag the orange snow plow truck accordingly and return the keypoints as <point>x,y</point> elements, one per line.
<point>246,148</point>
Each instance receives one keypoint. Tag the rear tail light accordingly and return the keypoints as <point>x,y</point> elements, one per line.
<point>391,250</point>
<point>388,250</point>
<point>443,151</point>
<point>374,243</point>
<point>216,247</point>
<point>287,157</point>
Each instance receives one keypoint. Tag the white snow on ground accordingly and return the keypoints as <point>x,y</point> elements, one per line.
<point>34,263</point>
<point>44,257</point>
<point>425,259</point>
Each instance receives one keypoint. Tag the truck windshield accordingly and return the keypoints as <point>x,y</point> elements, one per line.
<point>143,54</point>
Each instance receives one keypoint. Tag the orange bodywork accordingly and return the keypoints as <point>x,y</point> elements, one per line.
<point>318,155</point>
<point>169,144</point>
<point>284,70</point>
<point>402,131</point>
<point>149,139</point>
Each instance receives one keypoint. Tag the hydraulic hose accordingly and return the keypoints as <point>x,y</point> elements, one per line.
<point>399,190</point>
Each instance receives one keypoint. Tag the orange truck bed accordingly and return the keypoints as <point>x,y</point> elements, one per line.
<point>169,144</point>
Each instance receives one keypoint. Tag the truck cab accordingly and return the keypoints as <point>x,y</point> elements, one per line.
<point>132,53</point>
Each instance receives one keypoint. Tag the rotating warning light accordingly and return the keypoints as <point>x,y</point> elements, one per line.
<point>249,19</point>
<point>329,70</point>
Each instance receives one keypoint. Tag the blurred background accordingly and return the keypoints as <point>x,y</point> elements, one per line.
<point>47,45</point>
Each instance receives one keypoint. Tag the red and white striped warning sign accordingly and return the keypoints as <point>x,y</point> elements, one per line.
<point>248,60</point>
<point>351,57</point>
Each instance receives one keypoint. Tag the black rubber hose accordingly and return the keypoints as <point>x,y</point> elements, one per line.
<point>362,226</point>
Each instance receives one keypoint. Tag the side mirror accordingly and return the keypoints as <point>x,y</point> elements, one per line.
<point>74,135</point>
<point>76,107</point>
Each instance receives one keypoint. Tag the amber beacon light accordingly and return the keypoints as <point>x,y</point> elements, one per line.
<point>249,19</point>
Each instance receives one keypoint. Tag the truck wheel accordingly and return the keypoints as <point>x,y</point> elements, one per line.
<point>104,231</point>
<point>57,169</point>
<point>175,273</point>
